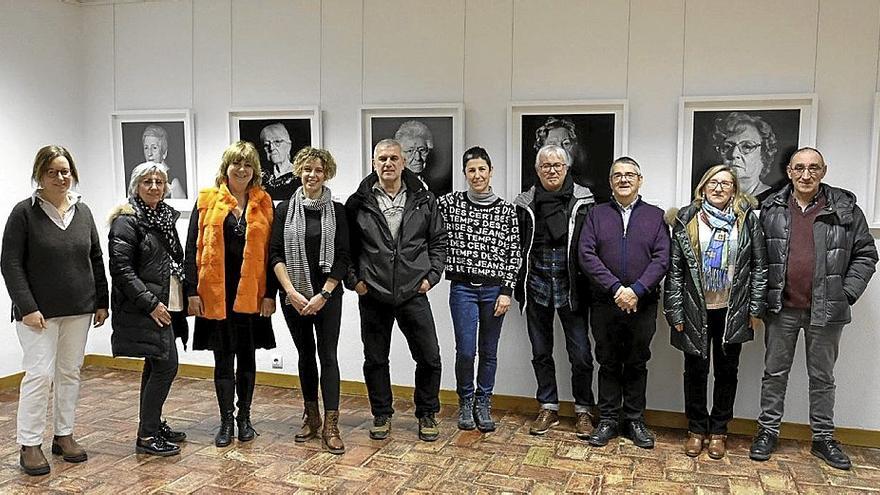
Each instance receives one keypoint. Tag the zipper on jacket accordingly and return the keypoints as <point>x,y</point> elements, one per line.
<point>572,280</point>
<point>526,260</point>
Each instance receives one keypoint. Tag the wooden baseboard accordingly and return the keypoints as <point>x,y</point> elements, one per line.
<point>666,419</point>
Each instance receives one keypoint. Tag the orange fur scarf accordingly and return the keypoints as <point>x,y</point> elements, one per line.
<point>214,206</point>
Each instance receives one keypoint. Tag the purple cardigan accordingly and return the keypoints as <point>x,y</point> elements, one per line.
<point>611,259</point>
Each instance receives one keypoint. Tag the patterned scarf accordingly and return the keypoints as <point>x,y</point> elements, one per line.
<point>295,238</point>
<point>162,219</point>
<point>715,257</point>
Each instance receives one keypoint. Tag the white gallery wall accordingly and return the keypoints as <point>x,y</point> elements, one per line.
<point>71,67</point>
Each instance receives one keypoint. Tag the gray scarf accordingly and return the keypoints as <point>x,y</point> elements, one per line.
<point>484,199</point>
<point>295,238</point>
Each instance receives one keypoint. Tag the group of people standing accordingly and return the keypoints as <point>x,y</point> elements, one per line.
<point>800,265</point>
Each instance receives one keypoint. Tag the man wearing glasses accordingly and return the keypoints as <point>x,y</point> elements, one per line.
<point>550,215</point>
<point>821,256</point>
<point>624,249</point>
<point>278,178</point>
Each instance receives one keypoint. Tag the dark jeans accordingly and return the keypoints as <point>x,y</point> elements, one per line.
<point>228,380</point>
<point>305,330</point>
<point>725,361</point>
<point>417,325</point>
<point>623,348</point>
<point>476,326</point>
<point>821,345</point>
<point>155,384</point>
<point>539,319</point>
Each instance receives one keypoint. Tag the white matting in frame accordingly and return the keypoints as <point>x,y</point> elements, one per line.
<point>164,136</point>
<point>754,134</point>
<point>594,132</point>
<point>278,134</point>
<point>431,134</point>
<point>872,208</point>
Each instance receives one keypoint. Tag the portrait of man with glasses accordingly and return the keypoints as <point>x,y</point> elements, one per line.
<point>426,144</point>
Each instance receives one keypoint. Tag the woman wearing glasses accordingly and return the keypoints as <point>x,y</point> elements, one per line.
<point>747,144</point>
<point>146,265</point>
<point>227,256</point>
<point>54,272</point>
<point>714,297</point>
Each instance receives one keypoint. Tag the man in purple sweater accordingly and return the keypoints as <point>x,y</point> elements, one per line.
<point>624,250</point>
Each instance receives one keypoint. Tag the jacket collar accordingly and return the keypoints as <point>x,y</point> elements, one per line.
<point>526,198</point>
<point>838,201</point>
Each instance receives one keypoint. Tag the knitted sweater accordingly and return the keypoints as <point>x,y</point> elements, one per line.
<point>57,272</point>
<point>483,241</point>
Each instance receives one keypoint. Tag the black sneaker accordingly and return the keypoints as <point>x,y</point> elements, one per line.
<point>381,427</point>
<point>156,446</point>
<point>603,433</point>
<point>167,433</point>
<point>429,429</point>
<point>466,413</point>
<point>640,435</point>
<point>829,451</point>
<point>763,445</point>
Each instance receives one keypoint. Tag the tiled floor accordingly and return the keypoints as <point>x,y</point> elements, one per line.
<point>508,460</point>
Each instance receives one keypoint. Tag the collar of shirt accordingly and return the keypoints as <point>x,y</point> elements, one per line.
<point>629,207</point>
<point>378,187</point>
<point>72,197</point>
<point>819,195</point>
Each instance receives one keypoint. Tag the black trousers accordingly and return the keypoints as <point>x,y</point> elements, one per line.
<point>417,325</point>
<point>155,383</point>
<point>623,348</point>
<point>228,380</point>
<point>321,329</point>
<point>696,376</point>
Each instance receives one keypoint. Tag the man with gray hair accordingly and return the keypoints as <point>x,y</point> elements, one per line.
<point>551,214</point>
<point>398,251</point>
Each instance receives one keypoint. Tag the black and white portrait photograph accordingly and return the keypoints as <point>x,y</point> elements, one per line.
<point>278,136</point>
<point>756,139</point>
<point>430,138</point>
<point>163,139</point>
<point>592,132</point>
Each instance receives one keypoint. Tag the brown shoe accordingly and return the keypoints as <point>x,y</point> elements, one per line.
<point>68,449</point>
<point>717,446</point>
<point>330,434</point>
<point>584,425</point>
<point>694,444</point>
<point>32,460</point>
<point>546,419</point>
<point>311,423</point>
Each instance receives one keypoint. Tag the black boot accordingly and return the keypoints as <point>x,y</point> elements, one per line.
<point>244,383</point>
<point>225,399</point>
<point>246,432</point>
<point>227,429</point>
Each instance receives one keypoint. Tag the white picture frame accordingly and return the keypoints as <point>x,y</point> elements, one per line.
<point>873,201</point>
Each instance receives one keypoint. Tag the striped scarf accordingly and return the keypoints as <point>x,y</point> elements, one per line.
<point>295,239</point>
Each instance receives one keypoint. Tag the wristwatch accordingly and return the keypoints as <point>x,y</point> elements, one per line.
<point>326,294</point>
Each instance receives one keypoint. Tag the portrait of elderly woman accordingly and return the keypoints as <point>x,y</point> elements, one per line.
<point>427,146</point>
<point>753,143</point>
<point>588,139</point>
<point>160,143</point>
<point>278,140</point>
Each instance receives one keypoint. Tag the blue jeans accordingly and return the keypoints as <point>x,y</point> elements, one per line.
<point>474,322</point>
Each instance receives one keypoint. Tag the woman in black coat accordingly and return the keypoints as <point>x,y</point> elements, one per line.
<point>714,295</point>
<point>146,265</point>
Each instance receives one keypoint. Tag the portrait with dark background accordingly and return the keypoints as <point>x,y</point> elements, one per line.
<point>300,131</point>
<point>439,165</point>
<point>592,148</point>
<point>779,139</point>
<point>133,151</point>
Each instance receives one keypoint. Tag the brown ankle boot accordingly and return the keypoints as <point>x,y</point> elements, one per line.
<point>717,446</point>
<point>68,449</point>
<point>311,422</point>
<point>331,433</point>
<point>694,444</point>
<point>32,460</point>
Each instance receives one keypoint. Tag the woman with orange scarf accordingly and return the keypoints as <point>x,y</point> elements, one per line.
<point>227,288</point>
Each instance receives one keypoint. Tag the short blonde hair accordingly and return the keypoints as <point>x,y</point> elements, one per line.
<point>240,151</point>
<point>309,154</point>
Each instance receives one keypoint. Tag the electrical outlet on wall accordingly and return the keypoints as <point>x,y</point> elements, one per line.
<point>277,362</point>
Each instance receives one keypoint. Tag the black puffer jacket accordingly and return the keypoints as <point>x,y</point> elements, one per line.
<point>684,301</point>
<point>140,272</point>
<point>393,271</point>
<point>845,254</point>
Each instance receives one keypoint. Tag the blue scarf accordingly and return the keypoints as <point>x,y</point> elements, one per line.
<point>715,261</point>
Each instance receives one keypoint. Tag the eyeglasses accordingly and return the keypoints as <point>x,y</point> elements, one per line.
<point>798,170</point>
<point>745,147</point>
<point>630,176</point>
<point>726,185</point>
<point>148,183</point>
<point>421,150</point>
<point>275,142</point>
<point>54,173</point>
<point>556,167</point>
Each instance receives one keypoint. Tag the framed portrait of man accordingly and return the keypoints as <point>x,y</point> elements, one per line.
<point>431,138</point>
<point>754,135</point>
<point>593,133</point>
<point>278,134</point>
<point>159,136</point>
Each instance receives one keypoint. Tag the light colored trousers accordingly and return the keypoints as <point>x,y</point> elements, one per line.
<point>51,355</point>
